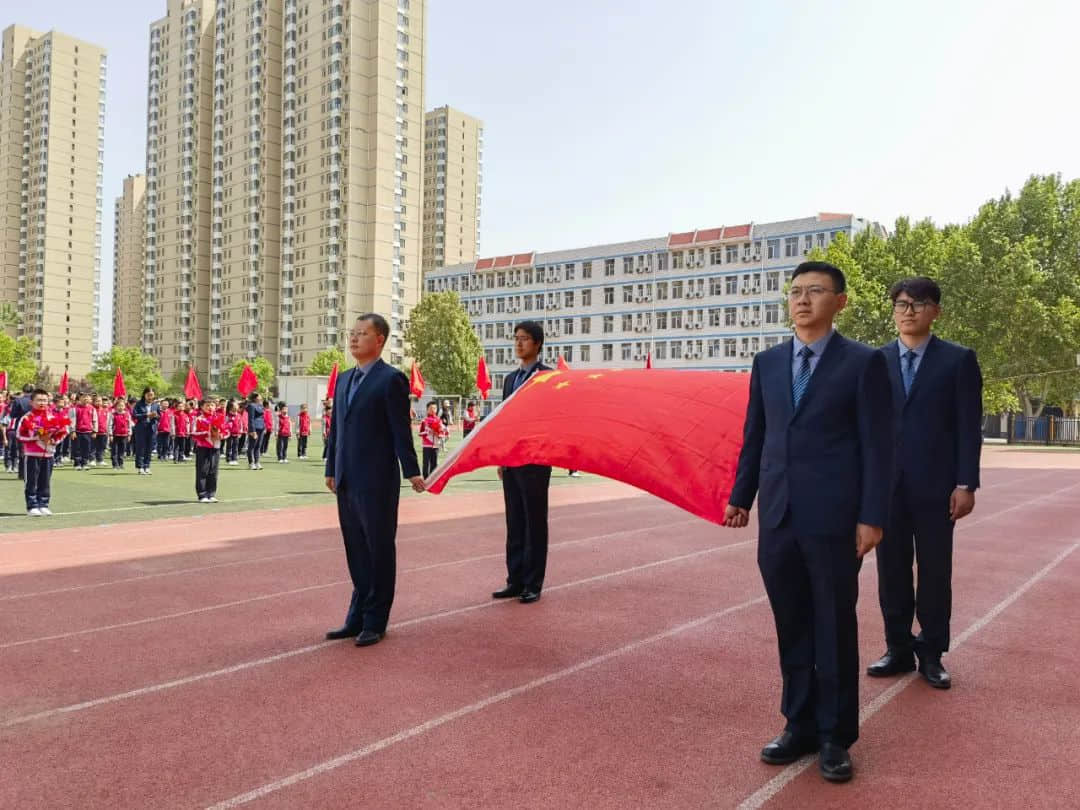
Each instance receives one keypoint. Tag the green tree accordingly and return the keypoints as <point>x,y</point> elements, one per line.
<point>263,370</point>
<point>139,370</point>
<point>9,315</point>
<point>440,338</point>
<point>323,362</point>
<point>17,359</point>
<point>867,315</point>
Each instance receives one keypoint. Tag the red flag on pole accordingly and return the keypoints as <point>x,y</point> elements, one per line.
<point>689,461</point>
<point>118,387</point>
<point>416,381</point>
<point>483,379</point>
<point>3,380</point>
<point>562,365</point>
<point>248,382</point>
<point>192,389</point>
<point>63,387</point>
<point>648,360</point>
<point>331,385</point>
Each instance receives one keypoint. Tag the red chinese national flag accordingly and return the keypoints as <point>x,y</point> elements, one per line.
<point>416,381</point>
<point>483,379</point>
<point>118,387</point>
<point>331,385</point>
<point>648,360</point>
<point>681,443</point>
<point>3,381</point>
<point>562,365</point>
<point>192,389</point>
<point>248,382</point>
<point>62,388</point>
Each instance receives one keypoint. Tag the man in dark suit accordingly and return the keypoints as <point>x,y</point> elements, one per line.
<point>369,438</point>
<point>937,396</point>
<point>525,488</point>
<point>817,451</point>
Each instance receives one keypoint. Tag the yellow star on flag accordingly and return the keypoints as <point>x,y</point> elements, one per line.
<point>562,385</point>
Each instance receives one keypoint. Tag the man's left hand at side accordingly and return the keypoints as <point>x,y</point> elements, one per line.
<point>867,538</point>
<point>961,502</point>
<point>417,482</point>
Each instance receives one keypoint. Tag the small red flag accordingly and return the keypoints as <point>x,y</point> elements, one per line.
<point>331,385</point>
<point>63,387</point>
<point>689,461</point>
<point>648,360</point>
<point>192,389</point>
<point>118,388</point>
<point>562,365</point>
<point>3,380</point>
<point>416,381</point>
<point>248,382</point>
<point>483,379</point>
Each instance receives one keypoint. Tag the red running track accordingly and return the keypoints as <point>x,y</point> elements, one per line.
<point>183,666</point>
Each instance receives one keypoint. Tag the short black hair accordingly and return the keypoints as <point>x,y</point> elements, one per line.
<point>831,270</point>
<point>253,396</point>
<point>533,329</point>
<point>37,391</point>
<point>28,388</point>
<point>920,288</point>
<point>378,321</point>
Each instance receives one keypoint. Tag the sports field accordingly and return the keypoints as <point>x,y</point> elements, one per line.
<point>178,661</point>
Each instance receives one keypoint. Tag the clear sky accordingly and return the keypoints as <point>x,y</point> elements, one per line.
<point>609,120</point>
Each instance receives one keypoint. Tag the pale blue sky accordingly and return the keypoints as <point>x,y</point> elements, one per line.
<point>609,120</point>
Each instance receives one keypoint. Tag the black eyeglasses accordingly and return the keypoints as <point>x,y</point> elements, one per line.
<point>914,306</point>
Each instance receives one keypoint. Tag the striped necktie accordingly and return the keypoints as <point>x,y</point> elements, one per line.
<point>909,370</point>
<point>802,378</point>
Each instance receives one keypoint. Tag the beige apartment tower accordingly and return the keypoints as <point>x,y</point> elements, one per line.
<point>52,119</point>
<point>129,237</point>
<point>453,179</point>
<point>284,195</point>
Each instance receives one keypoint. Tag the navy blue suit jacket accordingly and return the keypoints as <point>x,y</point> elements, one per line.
<point>509,380</point>
<point>829,462</point>
<point>939,423</point>
<point>368,441</point>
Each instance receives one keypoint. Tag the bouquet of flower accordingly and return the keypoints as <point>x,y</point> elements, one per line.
<point>52,427</point>
<point>217,425</point>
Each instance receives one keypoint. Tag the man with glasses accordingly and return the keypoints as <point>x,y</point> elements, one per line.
<point>817,454</point>
<point>370,437</point>
<point>525,488</point>
<point>937,403</point>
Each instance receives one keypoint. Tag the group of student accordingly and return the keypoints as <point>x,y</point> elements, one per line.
<point>39,432</point>
<point>435,430</point>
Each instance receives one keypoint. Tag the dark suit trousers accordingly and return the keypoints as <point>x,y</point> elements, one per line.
<point>813,585</point>
<point>920,532</point>
<point>369,525</point>
<point>525,492</point>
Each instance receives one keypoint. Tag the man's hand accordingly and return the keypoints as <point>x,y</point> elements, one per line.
<point>251,434</point>
<point>961,502</point>
<point>866,539</point>
<point>735,517</point>
<point>417,482</point>
<point>330,484</point>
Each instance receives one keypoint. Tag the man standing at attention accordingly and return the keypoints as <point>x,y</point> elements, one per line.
<point>525,488</point>
<point>818,453</point>
<point>369,438</point>
<point>937,404</point>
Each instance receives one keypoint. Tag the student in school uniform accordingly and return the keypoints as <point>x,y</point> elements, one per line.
<point>232,422</point>
<point>39,444</point>
<point>432,430</point>
<point>165,429</point>
<point>327,423</point>
<point>468,420</point>
<point>207,441</point>
<point>119,429</point>
<point>303,430</point>
<point>101,433</point>
<point>85,428</point>
<point>182,427</point>
<point>268,429</point>
<point>283,433</point>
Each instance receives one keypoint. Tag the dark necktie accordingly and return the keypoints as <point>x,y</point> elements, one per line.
<point>909,370</point>
<point>354,383</point>
<point>802,377</point>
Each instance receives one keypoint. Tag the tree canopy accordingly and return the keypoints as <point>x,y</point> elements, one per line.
<point>440,338</point>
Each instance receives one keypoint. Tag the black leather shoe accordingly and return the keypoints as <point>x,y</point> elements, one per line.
<point>934,673</point>
<point>893,662</point>
<point>529,595</point>
<point>509,592</point>
<point>341,632</point>
<point>835,763</point>
<point>368,637</point>
<point>787,748</point>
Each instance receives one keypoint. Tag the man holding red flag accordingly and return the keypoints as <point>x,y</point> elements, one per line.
<point>525,488</point>
<point>817,453</point>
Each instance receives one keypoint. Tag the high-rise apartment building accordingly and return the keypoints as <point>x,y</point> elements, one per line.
<point>284,192</point>
<point>704,299</point>
<point>453,179</point>
<point>129,237</point>
<point>52,122</point>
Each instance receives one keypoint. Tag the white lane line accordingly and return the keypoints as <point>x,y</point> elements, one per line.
<point>478,706</point>
<point>786,776</point>
<point>258,662</point>
<point>307,588</point>
<point>336,548</point>
<point>157,506</point>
